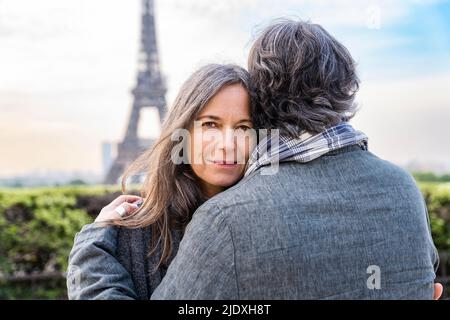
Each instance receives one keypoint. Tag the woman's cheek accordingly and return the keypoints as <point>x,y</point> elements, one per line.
<point>243,151</point>
<point>196,151</point>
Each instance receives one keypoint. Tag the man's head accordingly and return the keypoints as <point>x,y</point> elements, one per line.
<point>302,78</point>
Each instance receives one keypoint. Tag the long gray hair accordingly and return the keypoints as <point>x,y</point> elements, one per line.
<point>303,78</point>
<point>171,191</point>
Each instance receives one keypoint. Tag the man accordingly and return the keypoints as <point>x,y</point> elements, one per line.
<point>331,220</point>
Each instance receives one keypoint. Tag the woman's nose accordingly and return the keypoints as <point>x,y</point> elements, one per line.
<point>228,140</point>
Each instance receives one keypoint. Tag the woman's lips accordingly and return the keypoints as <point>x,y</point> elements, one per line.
<point>224,164</point>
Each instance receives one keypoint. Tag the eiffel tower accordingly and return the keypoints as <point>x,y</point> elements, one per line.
<point>149,93</point>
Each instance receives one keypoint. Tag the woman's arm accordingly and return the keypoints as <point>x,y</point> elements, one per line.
<point>94,270</point>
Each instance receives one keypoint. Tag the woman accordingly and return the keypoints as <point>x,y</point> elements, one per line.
<point>212,114</point>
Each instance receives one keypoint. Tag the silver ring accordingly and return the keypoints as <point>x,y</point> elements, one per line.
<point>120,211</point>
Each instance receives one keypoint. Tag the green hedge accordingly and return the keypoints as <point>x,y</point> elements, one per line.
<point>37,227</point>
<point>437,198</point>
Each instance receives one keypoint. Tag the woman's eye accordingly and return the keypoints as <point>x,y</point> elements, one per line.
<point>209,124</point>
<point>244,128</point>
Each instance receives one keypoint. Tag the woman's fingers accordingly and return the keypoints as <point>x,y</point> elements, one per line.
<point>128,208</point>
<point>438,289</point>
<point>120,207</point>
<point>124,198</point>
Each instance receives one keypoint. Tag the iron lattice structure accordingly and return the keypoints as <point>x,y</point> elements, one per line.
<point>149,92</point>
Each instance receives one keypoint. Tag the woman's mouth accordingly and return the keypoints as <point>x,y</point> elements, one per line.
<point>224,164</point>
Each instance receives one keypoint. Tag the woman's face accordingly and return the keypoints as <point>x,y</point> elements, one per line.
<point>221,140</point>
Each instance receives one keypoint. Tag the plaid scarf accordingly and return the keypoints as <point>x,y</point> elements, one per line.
<point>273,149</point>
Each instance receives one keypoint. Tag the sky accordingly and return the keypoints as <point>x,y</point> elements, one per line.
<point>67,68</point>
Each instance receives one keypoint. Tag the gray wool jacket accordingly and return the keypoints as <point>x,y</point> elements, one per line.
<point>347,225</point>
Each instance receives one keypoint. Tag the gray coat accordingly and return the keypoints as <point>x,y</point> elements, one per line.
<point>113,263</point>
<point>347,225</point>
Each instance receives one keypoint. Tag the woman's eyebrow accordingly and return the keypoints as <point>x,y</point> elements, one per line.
<point>245,120</point>
<point>218,118</point>
<point>209,116</point>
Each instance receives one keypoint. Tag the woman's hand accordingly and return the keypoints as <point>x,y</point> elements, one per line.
<point>112,210</point>
<point>438,288</point>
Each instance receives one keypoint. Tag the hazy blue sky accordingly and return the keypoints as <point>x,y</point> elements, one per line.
<point>66,69</point>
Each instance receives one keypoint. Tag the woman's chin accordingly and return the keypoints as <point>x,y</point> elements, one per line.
<point>225,180</point>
